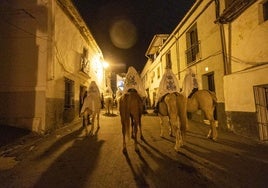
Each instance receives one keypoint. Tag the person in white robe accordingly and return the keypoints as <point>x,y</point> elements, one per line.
<point>190,84</point>
<point>133,81</point>
<point>168,84</point>
<point>93,90</point>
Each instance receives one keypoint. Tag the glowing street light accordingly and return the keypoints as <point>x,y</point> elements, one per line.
<point>105,65</point>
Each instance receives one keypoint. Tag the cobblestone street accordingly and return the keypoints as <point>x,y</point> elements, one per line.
<point>66,158</point>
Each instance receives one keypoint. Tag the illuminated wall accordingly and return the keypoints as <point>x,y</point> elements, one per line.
<point>42,45</point>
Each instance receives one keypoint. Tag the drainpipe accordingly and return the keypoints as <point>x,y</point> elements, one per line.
<point>226,64</point>
<point>178,56</point>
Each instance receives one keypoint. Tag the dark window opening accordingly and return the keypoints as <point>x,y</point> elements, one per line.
<point>69,93</point>
<point>168,61</point>
<point>192,45</point>
<point>265,11</point>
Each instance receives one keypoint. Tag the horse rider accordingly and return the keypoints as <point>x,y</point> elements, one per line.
<point>190,84</point>
<point>168,84</point>
<point>133,82</point>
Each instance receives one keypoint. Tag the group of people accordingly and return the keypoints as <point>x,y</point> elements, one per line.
<point>168,84</point>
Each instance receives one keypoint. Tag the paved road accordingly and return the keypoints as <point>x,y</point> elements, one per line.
<point>67,158</point>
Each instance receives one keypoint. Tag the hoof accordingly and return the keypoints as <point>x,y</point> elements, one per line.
<point>124,150</point>
<point>177,148</point>
<point>209,136</point>
<point>142,138</point>
<point>214,139</point>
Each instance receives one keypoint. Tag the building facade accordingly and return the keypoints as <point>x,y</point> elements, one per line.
<point>245,25</point>
<point>49,57</point>
<point>224,43</point>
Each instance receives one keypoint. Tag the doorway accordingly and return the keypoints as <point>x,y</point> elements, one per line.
<point>209,84</point>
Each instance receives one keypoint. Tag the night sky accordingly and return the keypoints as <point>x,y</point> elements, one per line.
<point>124,29</point>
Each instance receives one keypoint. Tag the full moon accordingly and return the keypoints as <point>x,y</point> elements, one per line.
<point>123,34</point>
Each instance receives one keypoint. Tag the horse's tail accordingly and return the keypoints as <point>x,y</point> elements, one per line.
<point>213,96</point>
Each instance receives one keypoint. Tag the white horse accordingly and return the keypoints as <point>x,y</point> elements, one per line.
<point>108,101</point>
<point>204,100</point>
<point>173,106</point>
<point>91,107</point>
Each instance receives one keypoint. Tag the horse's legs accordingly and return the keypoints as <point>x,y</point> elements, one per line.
<point>92,123</point>
<point>171,129</point>
<point>85,120</point>
<point>135,130</point>
<point>212,134</point>
<point>161,126</point>
<point>124,123</point>
<point>141,135</point>
<point>132,126</point>
<point>176,127</point>
<point>98,120</point>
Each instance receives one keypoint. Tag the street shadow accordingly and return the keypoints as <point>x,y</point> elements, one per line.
<point>138,176</point>
<point>9,135</point>
<point>75,165</point>
<point>229,161</point>
<point>60,142</point>
<point>153,168</point>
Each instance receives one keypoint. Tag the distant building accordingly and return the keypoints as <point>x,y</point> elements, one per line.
<point>48,58</point>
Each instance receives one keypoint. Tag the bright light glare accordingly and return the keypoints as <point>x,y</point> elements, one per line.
<point>105,65</point>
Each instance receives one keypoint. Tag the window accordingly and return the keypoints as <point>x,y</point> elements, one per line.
<point>84,64</point>
<point>168,61</point>
<point>192,44</point>
<point>69,93</point>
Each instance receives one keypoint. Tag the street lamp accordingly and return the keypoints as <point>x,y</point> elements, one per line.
<point>105,64</point>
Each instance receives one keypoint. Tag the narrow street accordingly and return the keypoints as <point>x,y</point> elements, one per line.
<point>66,158</point>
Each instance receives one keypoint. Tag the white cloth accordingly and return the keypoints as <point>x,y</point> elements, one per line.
<point>133,81</point>
<point>189,83</point>
<point>93,88</point>
<point>93,100</point>
<point>168,84</point>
